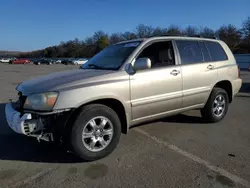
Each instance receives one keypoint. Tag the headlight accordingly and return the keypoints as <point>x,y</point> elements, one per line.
<point>41,101</point>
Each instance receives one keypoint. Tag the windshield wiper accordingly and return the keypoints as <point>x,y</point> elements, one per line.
<point>100,67</point>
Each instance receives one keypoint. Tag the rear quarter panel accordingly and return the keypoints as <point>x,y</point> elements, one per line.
<point>228,70</point>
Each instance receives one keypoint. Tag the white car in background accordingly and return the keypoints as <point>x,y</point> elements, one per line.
<point>80,61</point>
<point>5,60</point>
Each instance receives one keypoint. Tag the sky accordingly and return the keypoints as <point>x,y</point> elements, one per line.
<point>27,25</point>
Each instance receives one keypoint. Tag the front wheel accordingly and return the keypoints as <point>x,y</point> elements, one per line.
<point>217,106</point>
<point>96,132</point>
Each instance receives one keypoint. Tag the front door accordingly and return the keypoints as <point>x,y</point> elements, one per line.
<point>158,90</point>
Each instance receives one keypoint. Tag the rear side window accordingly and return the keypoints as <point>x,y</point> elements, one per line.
<point>216,51</point>
<point>206,55</point>
<point>190,51</point>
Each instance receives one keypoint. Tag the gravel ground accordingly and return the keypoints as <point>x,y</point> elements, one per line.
<point>179,151</point>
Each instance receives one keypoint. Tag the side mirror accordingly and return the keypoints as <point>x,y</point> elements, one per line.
<point>142,63</point>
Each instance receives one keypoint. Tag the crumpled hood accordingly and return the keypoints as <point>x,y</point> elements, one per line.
<point>59,80</point>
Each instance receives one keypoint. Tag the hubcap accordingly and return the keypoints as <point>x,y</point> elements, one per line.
<point>97,133</point>
<point>219,105</point>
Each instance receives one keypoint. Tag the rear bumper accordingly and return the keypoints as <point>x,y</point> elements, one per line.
<point>236,86</point>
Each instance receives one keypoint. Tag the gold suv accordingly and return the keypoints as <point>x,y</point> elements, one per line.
<point>123,85</point>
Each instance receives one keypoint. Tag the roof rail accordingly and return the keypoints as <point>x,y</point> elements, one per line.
<point>199,36</point>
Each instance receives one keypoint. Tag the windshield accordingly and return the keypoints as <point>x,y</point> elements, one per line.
<point>111,57</point>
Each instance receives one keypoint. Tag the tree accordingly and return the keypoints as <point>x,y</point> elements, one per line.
<point>244,46</point>
<point>115,38</point>
<point>246,28</point>
<point>207,32</point>
<point>230,35</point>
<point>174,30</point>
<point>190,31</point>
<point>89,41</point>
<point>128,35</point>
<point>143,31</point>
<point>98,35</point>
<point>160,31</point>
<point>102,43</point>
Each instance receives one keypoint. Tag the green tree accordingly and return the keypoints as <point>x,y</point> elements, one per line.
<point>102,43</point>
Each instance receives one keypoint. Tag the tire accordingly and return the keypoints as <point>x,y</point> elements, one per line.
<point>80,146</point>
<point>211,112</point>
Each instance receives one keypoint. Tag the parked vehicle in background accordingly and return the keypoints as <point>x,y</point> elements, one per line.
<point>43,61</point>
<point>5,60</point>
<point>58,61</point>
<point>80,61</point>
<point>20,61</point>
<point>69,61</point>
<point>123,85</point>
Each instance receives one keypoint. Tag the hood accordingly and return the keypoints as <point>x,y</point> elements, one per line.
<point>59,80</point>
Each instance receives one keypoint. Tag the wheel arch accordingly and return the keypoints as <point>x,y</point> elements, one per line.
<point>113,103</point>
<point>227,86</point>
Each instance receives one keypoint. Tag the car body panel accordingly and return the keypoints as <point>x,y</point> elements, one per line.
<point>154,96</point>
<point>198,81</point>
<point>60,80</point>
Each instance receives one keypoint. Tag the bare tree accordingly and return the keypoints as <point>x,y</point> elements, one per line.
<point>115,37</point>
<point>230,35</point>
<point>129,35</point>
<point>190,31</point>
<point>143,31</point>
<point>207,32</point>
<point>174,30</point>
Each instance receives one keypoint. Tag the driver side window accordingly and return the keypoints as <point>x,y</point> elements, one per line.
<point>160,53</point>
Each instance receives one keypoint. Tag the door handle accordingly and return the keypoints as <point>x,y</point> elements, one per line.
<point>210,67</point>
<point>175,72</point>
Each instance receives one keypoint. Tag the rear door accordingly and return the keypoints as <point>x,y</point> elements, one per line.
<point>199,74</point>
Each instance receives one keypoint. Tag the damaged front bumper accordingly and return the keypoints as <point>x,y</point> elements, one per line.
<point>43,126</point>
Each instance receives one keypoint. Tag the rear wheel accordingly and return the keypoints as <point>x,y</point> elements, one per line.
<point>96,132</point>
<point>217,106</point>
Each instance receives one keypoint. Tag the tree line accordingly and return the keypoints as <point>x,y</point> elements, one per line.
<point>238,39</point>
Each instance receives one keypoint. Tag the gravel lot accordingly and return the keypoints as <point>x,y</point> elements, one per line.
<point>180,151</point>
